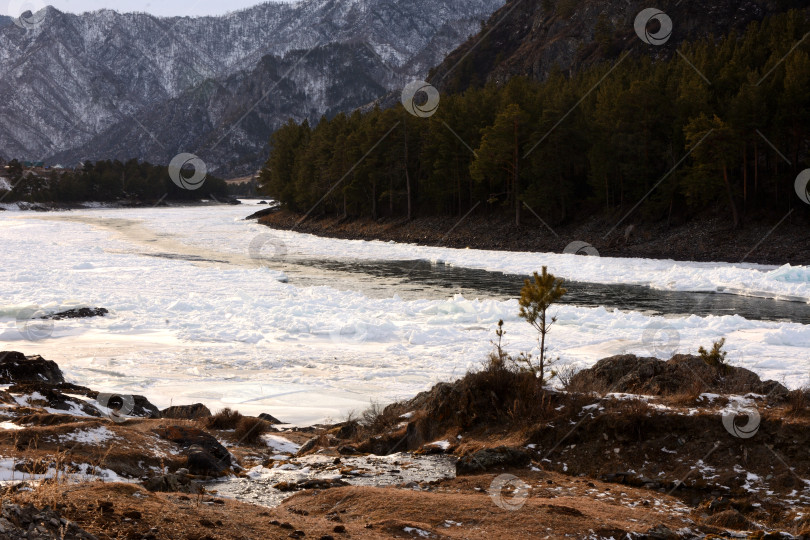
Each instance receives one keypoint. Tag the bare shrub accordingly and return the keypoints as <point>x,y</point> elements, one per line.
<point>249,430</point>
<point>224,419</point>
<point>798,401</point>
<point>565,374</point>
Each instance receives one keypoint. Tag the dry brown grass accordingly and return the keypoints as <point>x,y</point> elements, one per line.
<point>688,396</point>
<point>224,419</point>
<point>798,402</point>
<point>249,430</point>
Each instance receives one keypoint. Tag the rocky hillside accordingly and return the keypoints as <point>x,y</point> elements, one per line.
<point>114,85</point>
<point>533,38</point>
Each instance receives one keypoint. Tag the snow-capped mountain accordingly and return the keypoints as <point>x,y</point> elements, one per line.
<point>111,85</point>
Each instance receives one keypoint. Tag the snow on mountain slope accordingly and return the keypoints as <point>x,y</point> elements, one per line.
<point>73,77</point>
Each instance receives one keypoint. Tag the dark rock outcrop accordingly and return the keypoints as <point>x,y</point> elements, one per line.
<point>490,458</point>
<point>264,212</point>
<point>79,313</point>
<point>48,396</point>
<point>179,482</point>
<point>270,418</point>
<point>15,367</point>
<point>18,522</point>
<point>206,456</point>
<point>186,412</point>
<point>55,396</point>
<point>681,373</point>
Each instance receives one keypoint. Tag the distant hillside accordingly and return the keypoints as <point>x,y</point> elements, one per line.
<point>532,38</point>
<point>106,85</point>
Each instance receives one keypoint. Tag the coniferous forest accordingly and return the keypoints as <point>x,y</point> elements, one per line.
<point>103,181</point>
<point>733,144</point>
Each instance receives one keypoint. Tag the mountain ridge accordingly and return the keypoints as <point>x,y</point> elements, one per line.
<point>74,81</point>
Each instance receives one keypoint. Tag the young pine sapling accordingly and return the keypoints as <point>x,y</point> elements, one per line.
<point>536,297</point>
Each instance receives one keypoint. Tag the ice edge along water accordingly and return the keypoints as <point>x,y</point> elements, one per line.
<point>230,335</point>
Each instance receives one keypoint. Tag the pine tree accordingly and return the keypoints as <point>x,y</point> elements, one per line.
<point>536,297</point>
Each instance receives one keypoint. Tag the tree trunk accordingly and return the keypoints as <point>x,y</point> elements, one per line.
<point>756,169</point>
<point>407,175</point>
<point>543,331</point>
<point>733,206</point>
<point>374,200</point>
<point>745,177</point>
<point>516,180</point>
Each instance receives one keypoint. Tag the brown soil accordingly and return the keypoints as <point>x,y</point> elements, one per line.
<point>705,239</point>
<point>593,464</point>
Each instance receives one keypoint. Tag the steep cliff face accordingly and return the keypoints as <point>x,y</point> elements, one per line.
<point>533,37</point>
<point>113,85</point>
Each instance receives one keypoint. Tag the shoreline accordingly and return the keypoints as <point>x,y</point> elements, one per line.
<point>24,206</point>
<point>704,240</point>
<point>455,451</point>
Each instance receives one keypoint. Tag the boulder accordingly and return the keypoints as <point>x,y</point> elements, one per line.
<point>490,458</point>
<point>271,419</point>
<point>54,396</point>
<point>15,367</point>
<point>201,461</point>
<point>80,313</point>
<point>18,522</point>
<point>172,483</point>
<point>45,396</point>
<point>682,373</point>
<point>264,212</point>
<point>186,412</point>
<point>206,456</point>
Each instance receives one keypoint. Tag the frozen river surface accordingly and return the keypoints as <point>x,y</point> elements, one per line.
<point>206,307</point>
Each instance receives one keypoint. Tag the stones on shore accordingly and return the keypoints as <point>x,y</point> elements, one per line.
<point>264,212</point>
<point>650,376</point>
<point>186,412</point>
<point>205,455</point>
<point>308,446</point>
<point>490,458</point>
<point>15,367</point>
<point>56,397</point>
<point>79,313</point>
<point>179,482</point>
<point>18,522</point>
<point>312,483</point>
<point>271,419</point>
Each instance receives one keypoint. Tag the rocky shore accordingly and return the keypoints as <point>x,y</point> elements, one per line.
<point>632,447</point>
<point>701,239</point>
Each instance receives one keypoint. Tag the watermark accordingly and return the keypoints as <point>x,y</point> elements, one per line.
<point>33,324</point>
<point>261,246</point>
<point>751,426</point>
<point>644,21</point>
<point>579,247</point>
<point>661,340</point>
<point>803,186</point>
<point>179,167</point>
<point>27,14</point>
<point>517,492</point>
<point>424,107</point>
<point>119,406</point>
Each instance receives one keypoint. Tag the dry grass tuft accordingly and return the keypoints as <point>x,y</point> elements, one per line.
<point>249,430</point>
<point>224,419</point>
<point>798,402</point>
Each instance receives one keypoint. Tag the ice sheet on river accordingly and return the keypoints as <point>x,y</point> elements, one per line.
<point>186,329</point>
